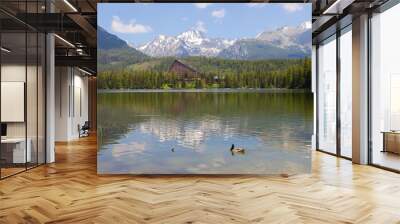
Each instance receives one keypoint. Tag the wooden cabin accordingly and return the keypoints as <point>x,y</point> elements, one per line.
<point>183,71</point>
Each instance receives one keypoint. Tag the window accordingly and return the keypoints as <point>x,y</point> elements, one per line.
<point>22,87</point>
<point>385,89</point>
<point>327,95</point>
<point>346,92</point>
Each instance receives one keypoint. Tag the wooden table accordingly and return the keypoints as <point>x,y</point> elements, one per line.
<point>391,141</point>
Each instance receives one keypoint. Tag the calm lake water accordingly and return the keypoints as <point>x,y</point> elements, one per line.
<point>191,132</point>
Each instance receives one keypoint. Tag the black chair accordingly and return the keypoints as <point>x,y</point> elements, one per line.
<point>84,130</point>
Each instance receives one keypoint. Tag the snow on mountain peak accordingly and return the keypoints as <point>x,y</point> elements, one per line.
<point>192,36</point>
<point>288,36</point>
<point>194,42</point>
<point>192,33</point>
<point>284,28</point>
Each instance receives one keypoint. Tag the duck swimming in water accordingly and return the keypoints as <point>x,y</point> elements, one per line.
<point>237,150</point>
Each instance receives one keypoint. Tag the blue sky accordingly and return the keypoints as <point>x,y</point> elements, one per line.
<point>139,23</point>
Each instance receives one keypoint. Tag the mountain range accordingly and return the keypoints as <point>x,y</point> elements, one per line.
<point>190,43</point>
<point>114,52</point>
<point>284,42</point>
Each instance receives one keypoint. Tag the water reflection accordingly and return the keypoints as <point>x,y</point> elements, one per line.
<point>192,132</point>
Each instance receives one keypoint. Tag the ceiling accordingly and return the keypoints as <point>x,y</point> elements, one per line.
<point>328,16</point>
<point>75,22</point>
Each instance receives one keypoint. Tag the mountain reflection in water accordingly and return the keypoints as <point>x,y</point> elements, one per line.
<point>138,130</point>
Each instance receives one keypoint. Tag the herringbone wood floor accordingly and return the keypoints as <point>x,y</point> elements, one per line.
<point>69,191</point>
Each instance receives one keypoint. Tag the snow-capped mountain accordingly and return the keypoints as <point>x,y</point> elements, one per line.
<point>284,42</point>
<point>289,37</point>
<point>190,43</point>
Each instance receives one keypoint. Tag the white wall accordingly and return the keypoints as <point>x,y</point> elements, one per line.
<point>13,101</point>
<point>14,72</point>
<point>33,125</point>
<point>11,73</point>
<point>70,84</point>
<point>62,82</point>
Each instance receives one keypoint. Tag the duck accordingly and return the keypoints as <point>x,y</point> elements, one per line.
<point>237,150</point>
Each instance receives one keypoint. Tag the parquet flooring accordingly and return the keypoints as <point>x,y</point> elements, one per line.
<point>70,191</point>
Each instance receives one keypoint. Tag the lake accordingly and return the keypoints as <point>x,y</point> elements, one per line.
<point>192,132</point>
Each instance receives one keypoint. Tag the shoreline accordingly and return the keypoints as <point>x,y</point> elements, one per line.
<point>221,90</point>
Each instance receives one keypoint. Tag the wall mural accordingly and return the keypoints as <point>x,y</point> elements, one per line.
<point>204,88</point>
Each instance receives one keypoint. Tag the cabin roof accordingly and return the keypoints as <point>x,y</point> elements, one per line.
<point>183,64</point>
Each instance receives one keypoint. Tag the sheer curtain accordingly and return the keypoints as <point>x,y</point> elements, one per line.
<point>346,92</point>
<point>327,95</point>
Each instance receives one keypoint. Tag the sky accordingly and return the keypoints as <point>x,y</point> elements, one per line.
<point>139,23</point>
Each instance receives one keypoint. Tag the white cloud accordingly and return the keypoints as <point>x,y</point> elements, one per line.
<point>127,150</point>
<point>184,19</point>
<point>131,27</point>
<point>202,5</point>
<point>256,5</point>
<point>200,26</point>
<point>307,24</point>
<point>220,13</point>
<point>292,7</point>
